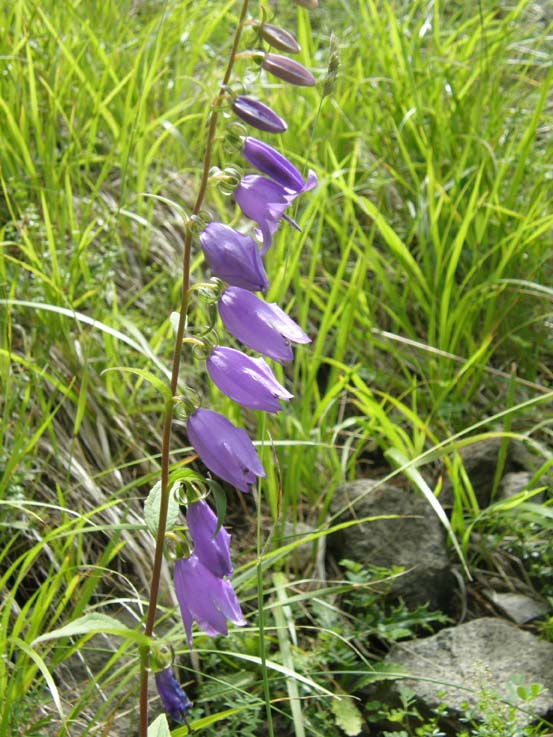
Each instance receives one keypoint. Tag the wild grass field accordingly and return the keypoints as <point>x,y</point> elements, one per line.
<point>423,275</point>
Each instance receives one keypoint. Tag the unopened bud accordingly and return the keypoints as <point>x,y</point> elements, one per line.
<point>288,70</point>
<point>259,115</point>
<point>279,39</point>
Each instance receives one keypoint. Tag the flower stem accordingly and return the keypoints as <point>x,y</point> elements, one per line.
<point>168,414</point>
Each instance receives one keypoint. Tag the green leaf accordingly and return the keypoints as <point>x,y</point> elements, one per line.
<point>92,624</point>
<point>348,716</point>
<point>159,727</point>
<point>152,504</point>
<point>148,376</point>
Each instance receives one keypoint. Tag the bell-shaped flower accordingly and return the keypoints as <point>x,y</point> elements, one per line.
<point>260,325</point>
<point>212,549</point>
<point>234,257</point>
<point>266,200</point>
<point>205,598</point>
<point>175,702</point>
<point>259,115</point>
<point>224,448</point>
<point>249,381</point>
<point>287,69</point>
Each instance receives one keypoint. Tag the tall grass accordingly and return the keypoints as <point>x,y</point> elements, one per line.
<point>423,275</point>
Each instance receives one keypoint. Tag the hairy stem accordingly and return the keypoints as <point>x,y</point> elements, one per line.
<point>168,415</point>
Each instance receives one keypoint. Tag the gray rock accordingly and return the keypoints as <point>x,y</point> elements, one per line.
<point>515,482</point>
<point>416,540</point>
<point>518,607</point>
<point>459,663</point>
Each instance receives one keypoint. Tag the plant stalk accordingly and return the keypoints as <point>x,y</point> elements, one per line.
<point>168,414</point>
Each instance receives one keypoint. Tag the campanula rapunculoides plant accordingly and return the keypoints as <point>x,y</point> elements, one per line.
<point>203,570</point>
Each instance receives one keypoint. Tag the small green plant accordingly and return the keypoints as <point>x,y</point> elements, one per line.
<point>495,716</point>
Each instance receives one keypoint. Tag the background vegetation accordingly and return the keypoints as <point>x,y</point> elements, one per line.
<point>423,274</point>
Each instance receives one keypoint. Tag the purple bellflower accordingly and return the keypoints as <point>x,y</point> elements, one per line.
<point>212,549</point>
<point>260,325</point>
<point>175,702</point>
<point>224,448</point>
<point>249,381</point>
<point>265,200</point>
<point>234,257</point>
<point>205,598</point>
<point>259,115</point>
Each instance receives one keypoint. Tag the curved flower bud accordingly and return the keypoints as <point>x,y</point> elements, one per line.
<point>175,702</point>
<point>205,598</point>
<point>248,381</point>
<point>271,162</point>
<point>279,38</point>
<point>259,115</point>
<point>288,70</point>
<point>224,448</point>
<point>234,257</point>
<point>212,549</point>
<point>260,325</point>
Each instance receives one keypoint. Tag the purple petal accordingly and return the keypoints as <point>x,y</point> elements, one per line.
<point>234,257</point>
<point>224,448</point>
<point>248,381</point>
<point>260,325</point>
<point>271,162</point>
<point>212,550</point>
<point>175,702</point>
<point>265,202</point>
<point>259,115</point>
<point>205,598</point>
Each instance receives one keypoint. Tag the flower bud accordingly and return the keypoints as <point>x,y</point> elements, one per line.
<point>259,115</point>
<point>279,38</point>
<point>309,4</point>
<point>288,70</point>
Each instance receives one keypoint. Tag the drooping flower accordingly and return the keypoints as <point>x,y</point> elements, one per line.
<point>205,598</point>
<point>175,702</point>
<point>260,325</point>
<point>287,69</point>
<point>249,381</point>
<point>224,448</point>
<point>212,549</point>
<point>279,38</point>
<point>259,115</point>
<point>234,257</point>
<point>266,201</point>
